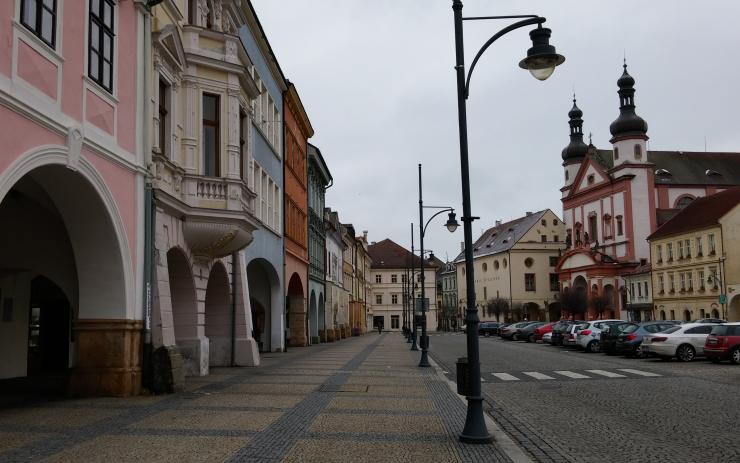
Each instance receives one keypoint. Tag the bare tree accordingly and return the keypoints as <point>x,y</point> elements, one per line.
<point>600,304</point>
<point>574,301</point>
<point>517,310</point>
<point>497,306</point>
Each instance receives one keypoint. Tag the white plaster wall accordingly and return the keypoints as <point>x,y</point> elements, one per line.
<point>572,170</point>
<point>627,151</point>
<point>675,193</point>
<point>576,261</point>
<point>598,178</point>
<point>641,214</point>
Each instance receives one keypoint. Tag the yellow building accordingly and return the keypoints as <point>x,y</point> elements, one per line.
<point>696,260</point>
<point>515,266</point>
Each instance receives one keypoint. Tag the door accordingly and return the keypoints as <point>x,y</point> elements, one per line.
<point>698,336</point>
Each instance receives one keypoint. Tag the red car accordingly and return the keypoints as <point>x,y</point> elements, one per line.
<point>539,332</point>
<point>723,343</point>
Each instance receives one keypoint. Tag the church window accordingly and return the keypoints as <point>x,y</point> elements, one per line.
<point>592,228</point>
<point>590,179</point>
<point>616,153</point>
<point>485,267</point>
<point>638,152</point>
<point>620,230</point>
<point>566,175</point>
<point>683,201</point>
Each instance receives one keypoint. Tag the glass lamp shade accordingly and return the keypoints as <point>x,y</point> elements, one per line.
<point>452,223</point>
<point>541,66</point>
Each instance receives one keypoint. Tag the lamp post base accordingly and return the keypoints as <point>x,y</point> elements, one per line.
<point>413,345</point>
<point>475,431</point>
<point>424,361</point>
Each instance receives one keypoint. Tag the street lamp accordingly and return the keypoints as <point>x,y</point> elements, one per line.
<point>541,60</point>
<point>451,226</point>
<point>412,293</point>
<point>717,281</point>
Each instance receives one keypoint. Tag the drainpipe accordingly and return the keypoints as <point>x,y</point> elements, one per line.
<point>511,293</point>
<point>149,210</point>
<point>234,263</point>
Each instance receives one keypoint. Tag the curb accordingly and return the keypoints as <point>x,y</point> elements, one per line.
<point>508,446</point>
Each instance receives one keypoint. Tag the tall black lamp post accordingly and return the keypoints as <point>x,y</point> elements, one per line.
<point>451,226</point>
<point>541,61</point>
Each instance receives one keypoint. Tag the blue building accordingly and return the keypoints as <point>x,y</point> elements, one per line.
<point>264,256</point>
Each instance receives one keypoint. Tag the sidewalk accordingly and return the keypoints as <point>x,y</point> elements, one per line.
<point>359,400</point>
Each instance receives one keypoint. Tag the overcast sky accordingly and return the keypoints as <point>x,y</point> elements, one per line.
<point>377,80</point>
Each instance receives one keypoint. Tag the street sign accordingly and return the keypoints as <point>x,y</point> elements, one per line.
<point>722,298</point>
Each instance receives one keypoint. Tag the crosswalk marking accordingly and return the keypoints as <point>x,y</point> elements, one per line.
<point>505,377</point>
<point>571,374</point>
<point>537,375</point>
<point>608,374</point>
<point>639,372</point>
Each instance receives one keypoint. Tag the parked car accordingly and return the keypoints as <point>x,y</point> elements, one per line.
<point>559,329</point>
<point>710,320</point>
<point>501,327</point>
<point>685,342</point>
<point>488,328</point>
<point>547,337</point>
<point>527,333</point>
<point>513,331</point>
<point>589,334</point>
<point>723,343</point>
<point>630,339</point>
<point>608,337</point>
<point>571,334</point>
<point>540,332</point>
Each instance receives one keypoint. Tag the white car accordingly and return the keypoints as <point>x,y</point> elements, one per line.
<point>547,338</point>
<point>685,342</point>
<point>589,334</point>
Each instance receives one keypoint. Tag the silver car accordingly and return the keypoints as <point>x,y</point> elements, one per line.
<point>589,334</point>
<point>685,342</point>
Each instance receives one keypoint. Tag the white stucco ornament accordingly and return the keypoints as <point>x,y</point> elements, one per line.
<point>75,138</point>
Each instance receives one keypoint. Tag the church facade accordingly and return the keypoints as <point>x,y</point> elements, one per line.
<point>613,199</point>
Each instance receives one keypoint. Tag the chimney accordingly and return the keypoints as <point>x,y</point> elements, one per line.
<point>364,234</point>
<point>528,214</point>
<point>462,246</point>
<point>498,223</point>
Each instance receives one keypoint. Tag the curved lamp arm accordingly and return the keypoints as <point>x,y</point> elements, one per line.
<point>447,209</point>
<point>526,22</point>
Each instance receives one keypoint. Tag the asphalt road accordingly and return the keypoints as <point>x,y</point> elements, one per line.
<point>562,404</point>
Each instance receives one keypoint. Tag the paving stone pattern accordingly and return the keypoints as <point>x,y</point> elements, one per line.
<point>362,400</point>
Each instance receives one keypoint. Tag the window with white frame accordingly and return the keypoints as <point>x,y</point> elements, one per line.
<point>394,278</point>
<point>378,278</point>
<point>394,322</point>
<point>689,281</point>
<point>700,276</point>
<point>710,243</point>
<point>661,287</point>
<point>394,298</point>
<point>659,252</point>
<point>687,244</point>
<point>680,249</point>
<point>100,43</point>
<point>379,299</point>
<point>699,249</point>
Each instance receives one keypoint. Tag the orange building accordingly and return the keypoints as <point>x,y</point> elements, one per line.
<point>297,131</point>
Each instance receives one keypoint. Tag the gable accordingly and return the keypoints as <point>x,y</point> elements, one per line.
<point>577,261</point>
<point>590,174</point>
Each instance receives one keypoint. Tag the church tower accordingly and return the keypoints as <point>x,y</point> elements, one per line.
<point>576,150</point>
<point>629,131</point>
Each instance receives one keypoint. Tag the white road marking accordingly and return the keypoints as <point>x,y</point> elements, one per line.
<point>505,377</point>
<point>608,374</point>
<point>639,372</point>
<point>537,375</point>
<point>571,374</point>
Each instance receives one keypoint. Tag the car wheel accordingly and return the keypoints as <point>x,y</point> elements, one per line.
<point>638,353</point>
<point>714,359</point>
<point>515,337</point>
<point>593,346</point>
<point>735,355</point>
<point>530,338</point>
<point>685,353</point>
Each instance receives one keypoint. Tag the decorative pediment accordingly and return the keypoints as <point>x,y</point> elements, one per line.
<point>590,174</point>
<point>577,260</point>
<point>169,44</point>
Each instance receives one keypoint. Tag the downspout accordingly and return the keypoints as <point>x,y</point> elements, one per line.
<point>511,292</point>
<point>149,210</point>
<point>234,263</point>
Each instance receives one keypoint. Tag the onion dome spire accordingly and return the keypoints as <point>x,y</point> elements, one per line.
<point>576,149</point>
<point>628,124</point>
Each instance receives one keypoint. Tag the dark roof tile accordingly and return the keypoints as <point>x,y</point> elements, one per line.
<point>700,213</point>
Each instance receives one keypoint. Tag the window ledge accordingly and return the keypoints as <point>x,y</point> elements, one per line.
<point>100,91</point>
<point>45,48</point>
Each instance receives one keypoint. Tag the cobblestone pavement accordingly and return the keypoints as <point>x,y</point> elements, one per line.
<point>566,405</point>
<point>362,400</point>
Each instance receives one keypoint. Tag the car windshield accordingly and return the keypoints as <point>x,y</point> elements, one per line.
<point>672,330</point>
<point>629,329</point>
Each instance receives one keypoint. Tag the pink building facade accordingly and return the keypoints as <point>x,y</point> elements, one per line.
<point>72,177</point>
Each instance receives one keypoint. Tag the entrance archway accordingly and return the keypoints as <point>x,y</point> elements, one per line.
<point>64,262</point>
<point>264,290</point>
<point>313,315</point>
<point>219,313</point>
<point>321,328</point>
<point>296,311</point>
<point>733,313</point>
<point>184,309</point>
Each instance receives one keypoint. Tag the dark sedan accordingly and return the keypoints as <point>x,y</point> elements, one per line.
<point>559,330</point>
<point>488,328</point>
<point>527,333</point>
<point>513,332</point>
<point>609,335</point>
<point>630,339</point>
